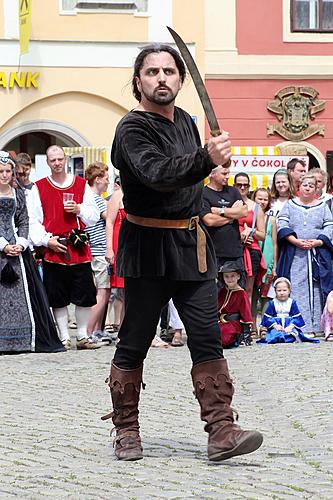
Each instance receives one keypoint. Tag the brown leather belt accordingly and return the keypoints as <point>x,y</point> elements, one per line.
<point>190,224</point>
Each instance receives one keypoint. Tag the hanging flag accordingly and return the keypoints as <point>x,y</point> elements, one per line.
<point>24,22</point>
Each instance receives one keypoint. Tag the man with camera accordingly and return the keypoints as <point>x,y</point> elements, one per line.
<point>60,206</point>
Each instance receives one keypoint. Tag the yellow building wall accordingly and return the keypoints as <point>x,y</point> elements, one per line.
<point>48,24</point>
<point>92,100</point>
<point>2,30</point>
<point>188,21</point>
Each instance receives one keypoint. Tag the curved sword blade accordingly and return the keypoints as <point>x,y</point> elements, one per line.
<point>198,82</point>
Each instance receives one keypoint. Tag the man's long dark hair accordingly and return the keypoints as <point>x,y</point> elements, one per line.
<point>155,48</point>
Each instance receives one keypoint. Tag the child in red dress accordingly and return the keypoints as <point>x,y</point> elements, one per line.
<point>235,319</point>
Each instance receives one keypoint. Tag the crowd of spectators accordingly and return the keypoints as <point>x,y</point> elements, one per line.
<point>286,233</point>
<point>273,254</point>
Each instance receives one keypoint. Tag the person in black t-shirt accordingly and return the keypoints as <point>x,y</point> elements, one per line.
<point>222,207</point>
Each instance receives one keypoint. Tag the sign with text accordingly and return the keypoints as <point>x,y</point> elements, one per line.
<point>262,164</point>
<point>22,80</point>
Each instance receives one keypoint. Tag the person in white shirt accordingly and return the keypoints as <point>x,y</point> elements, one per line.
<point>59,207</point>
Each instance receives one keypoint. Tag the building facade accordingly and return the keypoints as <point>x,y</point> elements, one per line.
<point>74,85</point>
<point>259,61</point>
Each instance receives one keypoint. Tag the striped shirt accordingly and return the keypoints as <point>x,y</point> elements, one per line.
<point>97,232</point>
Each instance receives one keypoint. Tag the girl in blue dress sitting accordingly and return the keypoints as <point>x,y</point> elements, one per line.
<point>282,319</point>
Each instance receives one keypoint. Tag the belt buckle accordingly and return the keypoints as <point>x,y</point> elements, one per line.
<point>193,223</point>
<point>223,321</point>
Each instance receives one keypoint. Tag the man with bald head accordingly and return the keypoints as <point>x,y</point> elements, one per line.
<point>67,270</point>
<point>222,207</point>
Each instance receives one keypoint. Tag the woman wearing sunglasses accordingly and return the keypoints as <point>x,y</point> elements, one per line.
<point>252,230</point>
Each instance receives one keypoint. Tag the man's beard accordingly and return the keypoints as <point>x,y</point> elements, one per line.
<point>160,99</point>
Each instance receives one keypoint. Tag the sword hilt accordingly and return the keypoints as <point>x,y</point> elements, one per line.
<point>215,133</point>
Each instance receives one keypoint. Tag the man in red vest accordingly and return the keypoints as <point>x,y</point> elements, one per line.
<point>57,205</point>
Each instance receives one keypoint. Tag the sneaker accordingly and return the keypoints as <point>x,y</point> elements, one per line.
<point>112,331</point>
<point>87,343</point>
<point>99,336</point>
<point>167,334</point>
<point>72,324</point>
<point>67,344</point>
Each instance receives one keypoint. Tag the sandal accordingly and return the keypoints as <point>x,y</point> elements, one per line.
<point>177,342</point>
<point>114,328</point>
<point>255,335</point>
<point>158,342</point>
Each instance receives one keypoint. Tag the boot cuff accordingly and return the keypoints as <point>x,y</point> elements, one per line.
<point>210,372</point>
<point>119,378</point>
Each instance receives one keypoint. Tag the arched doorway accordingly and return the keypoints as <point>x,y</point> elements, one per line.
<point>36,136</point>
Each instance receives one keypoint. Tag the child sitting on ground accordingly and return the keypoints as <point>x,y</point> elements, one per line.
<point>327,318</point>
<point>235,318</point>
<point>282,318</point>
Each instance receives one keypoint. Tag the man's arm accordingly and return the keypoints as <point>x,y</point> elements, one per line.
<point>213,220</point>
<point>142,152</point>
<point>236,211</point>
<point>37,232</point>
<point>89,211</point>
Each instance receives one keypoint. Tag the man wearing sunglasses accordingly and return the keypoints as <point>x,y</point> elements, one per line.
<point>222,207</point>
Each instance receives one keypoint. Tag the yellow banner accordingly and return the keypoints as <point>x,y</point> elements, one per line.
<point>24,21</point>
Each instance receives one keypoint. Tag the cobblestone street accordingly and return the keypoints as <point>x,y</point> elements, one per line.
<point>54,445</point>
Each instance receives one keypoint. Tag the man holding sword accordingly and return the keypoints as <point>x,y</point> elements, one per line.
<point>164,252</point>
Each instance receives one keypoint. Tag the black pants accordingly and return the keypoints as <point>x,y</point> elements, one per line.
<point>69,284</point>
<point>196,302</point>
<point>164,323</point>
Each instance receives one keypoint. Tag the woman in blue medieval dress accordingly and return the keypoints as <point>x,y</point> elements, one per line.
<point>305,229</point>
<point>26,323</point>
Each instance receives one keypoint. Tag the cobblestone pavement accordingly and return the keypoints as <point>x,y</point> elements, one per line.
<point>54,445</point>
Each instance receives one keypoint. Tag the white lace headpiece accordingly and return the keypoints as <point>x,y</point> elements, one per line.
<point>282,280</point>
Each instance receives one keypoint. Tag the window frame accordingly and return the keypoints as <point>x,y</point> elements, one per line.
<point>308,30</point>
<point>140,8</point>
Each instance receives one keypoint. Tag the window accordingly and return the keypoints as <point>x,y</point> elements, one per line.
<point>68,4</point>
<point>118,5</point>
<point>312,15</point>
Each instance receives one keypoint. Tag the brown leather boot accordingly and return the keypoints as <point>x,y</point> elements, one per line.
<point>213,388</point>
<point>125,388</point>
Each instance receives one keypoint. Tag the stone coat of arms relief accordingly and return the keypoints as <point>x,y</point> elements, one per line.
<point>296,107</point>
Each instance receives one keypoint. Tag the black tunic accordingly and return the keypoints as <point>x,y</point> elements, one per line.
<point>162,166</point>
